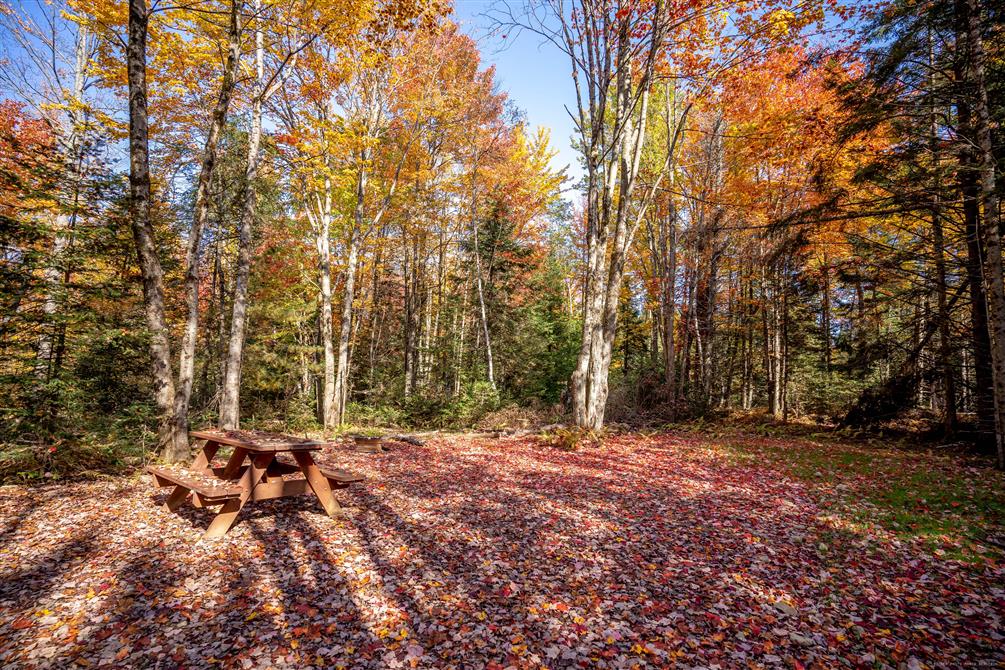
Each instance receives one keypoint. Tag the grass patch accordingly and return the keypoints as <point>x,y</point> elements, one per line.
<point>950,502</point>
<point>56,461</point>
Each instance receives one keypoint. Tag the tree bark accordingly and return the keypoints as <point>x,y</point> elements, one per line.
<point>482,312</point>
<point>669,306</point>
<point>321,223</point>
<point>410,260</point>
<point>938,251</point>
<point>230,409</point>
<point>663,252</point>
<point>825,303</point>
<point>459,357</point>
<point>984,401</point>
<point>969,15</point>
<point>186,359</point>
<point>348,296</point>
<point>143,232</point>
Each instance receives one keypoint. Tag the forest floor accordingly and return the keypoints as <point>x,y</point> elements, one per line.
<point>698,549</point>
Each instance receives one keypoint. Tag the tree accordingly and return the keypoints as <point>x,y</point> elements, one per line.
<point>143,233</point>
<point>285,53</point>
<point>614,51</point>
<point>47,68</point>
<point>977,129</point>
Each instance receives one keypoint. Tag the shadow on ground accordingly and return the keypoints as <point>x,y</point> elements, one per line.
<point>473,554</point>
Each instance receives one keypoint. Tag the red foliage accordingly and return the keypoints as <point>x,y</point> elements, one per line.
<point>469,553</point>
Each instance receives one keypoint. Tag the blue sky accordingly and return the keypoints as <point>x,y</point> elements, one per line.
<point>536,76</point>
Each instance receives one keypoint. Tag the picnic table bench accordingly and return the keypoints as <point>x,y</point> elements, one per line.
<point>262,466</point>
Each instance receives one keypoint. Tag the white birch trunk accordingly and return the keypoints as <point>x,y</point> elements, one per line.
<point>341,392</point>
<point>321,223</point>
<point>70,142</point>
<point>186,360</point>
<point>230,409</point>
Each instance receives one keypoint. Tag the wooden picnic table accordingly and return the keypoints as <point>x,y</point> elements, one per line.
<point>259,468</point>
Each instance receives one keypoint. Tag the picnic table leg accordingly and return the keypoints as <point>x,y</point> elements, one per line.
<point>223,521</point>
<point>318,483</point>
<point>176,498</point>
<point>234,464</point>
<point>205,456</point>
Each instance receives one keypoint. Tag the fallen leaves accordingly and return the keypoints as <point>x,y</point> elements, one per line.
<point>648,551</point>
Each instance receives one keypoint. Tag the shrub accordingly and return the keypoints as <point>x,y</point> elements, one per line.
<point>359,414</point>
<point>571,438</point>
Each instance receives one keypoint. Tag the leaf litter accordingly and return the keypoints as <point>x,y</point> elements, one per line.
<point>489,553</point>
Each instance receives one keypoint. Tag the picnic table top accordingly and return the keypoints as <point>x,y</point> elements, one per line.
<point>258,441</point>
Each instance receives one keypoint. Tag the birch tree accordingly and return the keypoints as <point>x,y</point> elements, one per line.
<point>47,56</point>
<point>614,50</point>
<point>287,40</point>
<point>143,232</point>
<point>186,359</point>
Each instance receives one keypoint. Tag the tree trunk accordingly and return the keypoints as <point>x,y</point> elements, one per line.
<point>230,409</point>
<point>783,391</point>
<point>71,143</point>
<point>984,402</point>
<point>969,14</point>
<point>687,335</point>
<point>593,302</point>
<point>143,232</point>
<point>376,311</point>
<point>321,222</point>
<point>938,252</point>
<point>483,314</point>
<point>747,391</point>
<point>186,360</point>
<point>825,303</point>
<point>328,417</point>
<point>459,357</point>
<point>945,343</point>
<point>612,126</point>
<point>663,251</point>
<point>346,321</point>
<point>410,257</point>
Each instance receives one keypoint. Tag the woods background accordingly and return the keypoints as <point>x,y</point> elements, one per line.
<point>343,221</point>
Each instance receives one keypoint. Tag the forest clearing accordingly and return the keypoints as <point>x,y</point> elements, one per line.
<point>653,550</point>
<point>502,334</point>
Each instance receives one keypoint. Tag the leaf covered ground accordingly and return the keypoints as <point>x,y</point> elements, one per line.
<point>660,551</point>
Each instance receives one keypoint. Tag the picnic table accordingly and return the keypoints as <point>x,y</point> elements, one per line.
<point>262,466</point>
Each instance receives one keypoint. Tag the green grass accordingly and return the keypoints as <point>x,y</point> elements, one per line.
<point>950,502</point>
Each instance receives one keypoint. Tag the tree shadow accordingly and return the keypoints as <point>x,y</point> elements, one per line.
<point>708,554</point>
<point>22,589</point>
<point>514,531</point>
<point>314,609</point>
<point>517,556</point>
